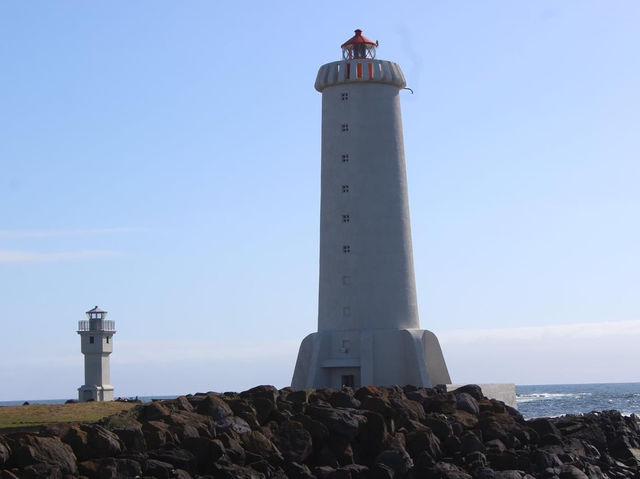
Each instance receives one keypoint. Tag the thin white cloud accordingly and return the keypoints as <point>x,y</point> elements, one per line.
<point>9,256</point>
<point>23,234</point>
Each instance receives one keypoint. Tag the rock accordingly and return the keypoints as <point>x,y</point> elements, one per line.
<point>157,434</point>
<point>338,421</point>
<point>440,426</point>
<point>319,432</point>
<point>5,451</point>
<point>484,473</point>
<point>444,403</point>
<point>178,457</point>
<point>466,402</point>
<point>509,474</point>
<point>372,436</point>
<point>153,411</point>
<point>398,460</point>
<point>298,471</point>
<point>257,443</point>
<point>445,470</point>
<point>214,407</point>
<point>356,471</point>
<point>544,426</point>
<point>423,441</point>
<point>469,443</point>
<point>110,468</point>
<point>323,472</point>
<point>206,451</point>
<point>131,437</point>
<point>232,423</point>
<point>233,471</point>
<point>159,469</point>
<point>28,450</point>
<point>381,471</point>
<point>344,399</point>
<point>90,441</point>
<point>244,409</point>
<point>571,472</point>
<point>298,397</point>
<point>473,390</point>
<point>4,474</point>
<point>294,441</point>
<point>233,449</point>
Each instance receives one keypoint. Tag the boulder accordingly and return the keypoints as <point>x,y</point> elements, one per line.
<point>214,407</point>
<point>28,450</point>
<point>466,402</point>
<point>294,441</point>
<point>5,451</point>
<point>339,421</point>
<point>90,441</point>
<point>178,457</point>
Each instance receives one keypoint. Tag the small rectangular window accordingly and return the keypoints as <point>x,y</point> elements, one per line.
<point>107,339</point>
<point>91,339</point>
<point>345,188</point>
<point>346,248</point>
<point>345,127</point>
<point>346,218</point>
<point>345,158</point>
<point>344,96</point>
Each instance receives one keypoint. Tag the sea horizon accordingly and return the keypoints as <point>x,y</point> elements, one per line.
<point>533,400</point>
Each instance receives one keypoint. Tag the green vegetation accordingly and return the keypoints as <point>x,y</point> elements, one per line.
<point>18,417</point>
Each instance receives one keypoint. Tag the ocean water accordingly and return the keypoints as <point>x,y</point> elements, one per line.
<point>533,401</point>
<point>558,399</point>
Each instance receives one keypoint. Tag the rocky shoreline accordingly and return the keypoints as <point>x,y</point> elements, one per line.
<point>369,433</point>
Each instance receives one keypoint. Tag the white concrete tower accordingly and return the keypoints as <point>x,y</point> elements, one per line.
<point>368,327</point>
<point>96,340</point>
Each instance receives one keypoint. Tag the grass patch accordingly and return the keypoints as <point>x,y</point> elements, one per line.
<point>12,417</point>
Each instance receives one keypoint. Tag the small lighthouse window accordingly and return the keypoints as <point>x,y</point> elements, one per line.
<point>346,249</point>
<point>345,127</point>
<point>346,218</point>
<point>345,188</point>
<point>107,339</point>
<point>344,96</point>
<point>345,158</point>
<point>91,339</point>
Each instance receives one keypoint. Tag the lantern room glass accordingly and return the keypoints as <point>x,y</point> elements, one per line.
<point>358,51</point>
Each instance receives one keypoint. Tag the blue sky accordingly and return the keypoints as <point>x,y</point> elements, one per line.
<point>162,160</point>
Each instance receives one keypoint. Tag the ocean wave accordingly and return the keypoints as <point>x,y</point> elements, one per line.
<point>549,396</point>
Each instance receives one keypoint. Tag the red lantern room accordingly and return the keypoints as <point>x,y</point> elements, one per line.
<point>359,47</point>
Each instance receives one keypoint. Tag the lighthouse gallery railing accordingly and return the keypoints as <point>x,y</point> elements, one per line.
<point>97,325</point>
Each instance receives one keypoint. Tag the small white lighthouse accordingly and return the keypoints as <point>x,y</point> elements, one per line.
<point>96,339</point>
<point>368,326</point>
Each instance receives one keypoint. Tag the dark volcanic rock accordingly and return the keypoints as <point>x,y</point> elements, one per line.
<point>29,449</point>
<point>374,432</point>
<point>5,451</point>
<point>92,441</point>
<point>293,441</point>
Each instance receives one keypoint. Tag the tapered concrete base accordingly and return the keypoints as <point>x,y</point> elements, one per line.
<point>380,357</point>
<point>95,393</point>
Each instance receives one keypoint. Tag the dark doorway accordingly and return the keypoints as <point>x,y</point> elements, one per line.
<point>348,380</point>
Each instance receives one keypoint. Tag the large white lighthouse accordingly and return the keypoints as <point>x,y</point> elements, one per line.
<point>96,342</point>
<point>368,327</point>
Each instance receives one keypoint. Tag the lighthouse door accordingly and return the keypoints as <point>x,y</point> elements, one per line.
<point>345,377</point>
